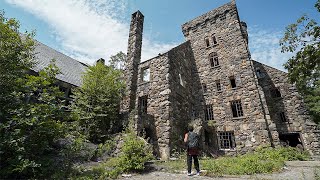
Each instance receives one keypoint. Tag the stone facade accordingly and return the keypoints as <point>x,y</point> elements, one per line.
<point>211,82</point>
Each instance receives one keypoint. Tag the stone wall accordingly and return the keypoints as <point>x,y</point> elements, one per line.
<point>249,130</point>
<point>289,102</point>
<point>156,121</point>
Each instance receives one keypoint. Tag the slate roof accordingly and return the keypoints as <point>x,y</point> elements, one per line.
<point>71,69</point>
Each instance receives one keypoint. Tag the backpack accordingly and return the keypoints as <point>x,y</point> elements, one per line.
<point>193,140</point>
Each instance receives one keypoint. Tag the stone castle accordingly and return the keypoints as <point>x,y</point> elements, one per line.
<point>210,81</point>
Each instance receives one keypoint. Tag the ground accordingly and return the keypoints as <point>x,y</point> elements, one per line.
<point>300,170</point>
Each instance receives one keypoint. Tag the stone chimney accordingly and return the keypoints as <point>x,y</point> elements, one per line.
<point>132,61</point>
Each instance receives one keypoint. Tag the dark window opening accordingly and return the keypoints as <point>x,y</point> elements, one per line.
<point>214,39</point>
<point>206,138</point>
<point>275,93</point>
<point>218,85</point>
<point>290,139</point>
<point>209,112</point>
<point>283,117</point>
<point>233,82</point>
<point>214,60</point>
<point>259,73</point>
<point>226,140</point>
<point>143,102</point>
<point>204,87</point>
<point>207,42</point>
<point>236,108</point>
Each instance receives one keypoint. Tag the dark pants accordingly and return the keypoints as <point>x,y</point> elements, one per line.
<point>196,162</point>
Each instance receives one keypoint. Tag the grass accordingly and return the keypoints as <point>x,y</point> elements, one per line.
<point>263,160</point>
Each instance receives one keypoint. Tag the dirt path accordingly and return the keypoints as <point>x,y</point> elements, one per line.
<point>294,170</point>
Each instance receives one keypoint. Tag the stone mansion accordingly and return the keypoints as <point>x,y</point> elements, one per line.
<point>210,81</point>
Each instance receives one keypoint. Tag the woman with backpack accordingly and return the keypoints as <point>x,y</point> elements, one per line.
<point>192,141</point>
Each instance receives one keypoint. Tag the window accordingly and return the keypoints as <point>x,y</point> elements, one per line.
<point>204,87</point>
<point>218,85</point>
<point>275,93</point>
<point>233,82</point>
<point>214,61</point>
<point>236,108</point>
<point>214,39</point>
<point>143,102</point>
<point>259,73</point>
<point>207,42</point>
<point>182,83</point>
<point>209,112</point>
<point>226,140</point>
<point>283,117</point>
<point>145,76</point>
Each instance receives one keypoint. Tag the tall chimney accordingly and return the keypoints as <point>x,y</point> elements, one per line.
<point>132,61</point>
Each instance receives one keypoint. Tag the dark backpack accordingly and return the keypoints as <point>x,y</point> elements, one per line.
<point>193,140</point>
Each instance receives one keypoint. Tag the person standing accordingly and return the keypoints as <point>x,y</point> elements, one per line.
<point>192,141</point>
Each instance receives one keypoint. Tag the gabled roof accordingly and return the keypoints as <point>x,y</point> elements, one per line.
<point>71,69</point>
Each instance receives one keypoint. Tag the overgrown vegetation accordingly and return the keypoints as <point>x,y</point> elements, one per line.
<point>303,37</point>
<point>263,160</point>
<point>96,102</point>
<point>135,152</point>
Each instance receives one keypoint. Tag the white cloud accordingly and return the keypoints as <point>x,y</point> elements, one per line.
<point>88,29</point>
<point>265,48</point>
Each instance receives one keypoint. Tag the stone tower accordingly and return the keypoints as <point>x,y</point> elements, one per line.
<point>132,62</point>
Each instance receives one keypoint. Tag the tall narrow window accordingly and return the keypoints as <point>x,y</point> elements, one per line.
<point>143,103</point>
<point>233,82</point>
<point>207,42</point>
<point>145,75</point>
<point>218,85</point>
<point>283,117</point>
<point>236,108</point>
<point>204,87</point>
<point>214,60</point>
<point>226,140</point>
<point>209,112</point>
<point>214,39</point>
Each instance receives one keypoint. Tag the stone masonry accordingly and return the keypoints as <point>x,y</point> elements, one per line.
<point>235,104</point>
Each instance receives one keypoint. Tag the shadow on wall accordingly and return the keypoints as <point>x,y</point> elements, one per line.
<point>279,116</point>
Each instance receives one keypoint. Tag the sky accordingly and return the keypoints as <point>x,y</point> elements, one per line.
<point>91,29</point>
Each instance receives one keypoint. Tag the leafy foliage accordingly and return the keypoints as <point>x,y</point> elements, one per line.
<point>96,102</point>
<point>16,57</point>
<point>28,136</point>
<point>303,37</point>
<point>117,61</point>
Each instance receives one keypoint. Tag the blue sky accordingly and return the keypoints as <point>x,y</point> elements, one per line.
<point>89,29</point>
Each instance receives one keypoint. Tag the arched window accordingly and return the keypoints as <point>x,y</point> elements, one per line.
<point>214,60</point>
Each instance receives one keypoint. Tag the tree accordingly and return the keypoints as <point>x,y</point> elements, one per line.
<point>117,61</point>
<point>16,57</point>
<point>97,101</point>
<point>28,136</point>
<point>303,37</point>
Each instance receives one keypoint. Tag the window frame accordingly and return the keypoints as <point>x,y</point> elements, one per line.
<point>143,104</point>
<point>214,59</point>
<point>226,137</point>
<point>218,86</point>
<point>209,115</point>
<point>236,108</point>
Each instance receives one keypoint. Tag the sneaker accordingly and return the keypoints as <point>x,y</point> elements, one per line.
<point>189,174</point>
<point>198,173</point>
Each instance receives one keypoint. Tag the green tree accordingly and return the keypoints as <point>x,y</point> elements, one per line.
<point>97,101</point>
<point>29,135</point>
<point>16,57</point>
<point>303,38</point>
<point>117,61</point>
